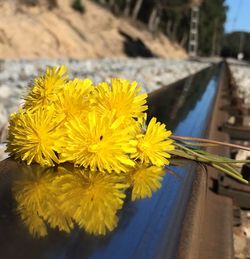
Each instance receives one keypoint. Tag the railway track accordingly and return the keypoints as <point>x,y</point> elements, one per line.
<point>186,218</point>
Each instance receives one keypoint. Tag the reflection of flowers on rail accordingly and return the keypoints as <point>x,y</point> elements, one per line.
<point>64,197</point>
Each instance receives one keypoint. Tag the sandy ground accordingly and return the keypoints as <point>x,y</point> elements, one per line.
<point>32,32</point>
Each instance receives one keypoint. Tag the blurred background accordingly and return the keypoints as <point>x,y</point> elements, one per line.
<point>119,28</point>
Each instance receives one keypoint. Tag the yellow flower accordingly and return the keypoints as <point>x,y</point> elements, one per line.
<point>33,136</point>
<point>122,97</point>
<point>45,88</point>
<point>99,143</point>
<point>74,99</point>
<point>37,201</point>
<point>92,199</point>
<point>145,180</point>
<point>152,146</point>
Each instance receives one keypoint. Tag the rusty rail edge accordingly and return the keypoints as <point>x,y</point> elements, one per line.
<point>207,229</point>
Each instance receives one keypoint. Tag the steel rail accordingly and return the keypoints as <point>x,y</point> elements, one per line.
<point>149,228</point>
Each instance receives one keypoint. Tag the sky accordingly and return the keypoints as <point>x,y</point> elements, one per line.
<point>238,15</point>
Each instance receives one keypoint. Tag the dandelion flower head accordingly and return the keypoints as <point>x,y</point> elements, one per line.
<point>44,89</point>
<point>121,96</point>
<point>99,143</point>
<point>145,180</point>
<point>74,99</point>
<point>153,146</point>
<point>38,203</point>
<point>92,198</point>
<point>34,137</point>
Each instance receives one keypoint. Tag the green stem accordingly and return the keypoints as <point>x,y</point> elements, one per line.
<point>176,137</point>
<point>232,169</point>
<point>196,144</point>
<point>204,158</point>
<point>230,173</point>
<point>233,172</point>
<point>210,157</point>
<point>225,159</point>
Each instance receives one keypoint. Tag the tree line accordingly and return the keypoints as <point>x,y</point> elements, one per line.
<point>235,43</point>
<point>171,17</point>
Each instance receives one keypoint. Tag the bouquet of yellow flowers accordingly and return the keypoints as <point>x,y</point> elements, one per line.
<point>96,127</point>
<point>101,131</point>
<point>100,128</point>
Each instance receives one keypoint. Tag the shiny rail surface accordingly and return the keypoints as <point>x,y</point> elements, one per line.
<point>148,228</point>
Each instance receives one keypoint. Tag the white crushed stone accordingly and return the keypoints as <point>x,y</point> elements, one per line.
<point>231,120</point>
<point>5,92</point>
<point>242,155</point>
<point>3,154</point>
<point>241,75</point>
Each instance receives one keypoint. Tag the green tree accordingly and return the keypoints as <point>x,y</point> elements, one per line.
<point>236,42</point>
<point>211,26</point>
<point>172,17</point>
